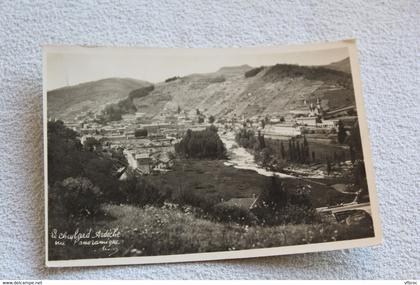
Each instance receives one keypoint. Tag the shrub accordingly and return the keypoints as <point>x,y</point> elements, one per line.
<point>288,214</point>
<point>74,197</point>
<point>141,92</point>
<point>91,144</point>
<point>172,79</point>
<point>341,134</point>
<point>246,138</point>
<point>187,197</point>
<point>277,206</point>
<point>253,72</point>
<point>227,214</point>
<point>135,190</point>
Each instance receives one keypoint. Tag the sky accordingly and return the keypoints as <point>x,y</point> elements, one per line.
<point>71,66</point>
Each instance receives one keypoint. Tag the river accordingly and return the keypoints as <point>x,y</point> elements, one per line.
<point>240,158</point>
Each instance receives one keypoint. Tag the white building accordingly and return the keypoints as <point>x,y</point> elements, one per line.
<point>140,115</point>
<point>328,124</point>
<point>317,123</point>
<point>307,121</point>
<point>282,130</point>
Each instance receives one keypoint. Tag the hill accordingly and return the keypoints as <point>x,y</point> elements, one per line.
<point>67,102</point>
<point>236,90</point>
<point>342,65</point>
<point>250,91</point>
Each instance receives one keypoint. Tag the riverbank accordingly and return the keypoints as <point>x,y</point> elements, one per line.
<point>241,158</point>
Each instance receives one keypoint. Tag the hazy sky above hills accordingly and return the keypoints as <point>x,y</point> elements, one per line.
<point>69,66</point>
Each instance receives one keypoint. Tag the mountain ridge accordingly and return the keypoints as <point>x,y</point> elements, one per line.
<point>341,65</point>
<point>67,102</point>
<point>232,90</point>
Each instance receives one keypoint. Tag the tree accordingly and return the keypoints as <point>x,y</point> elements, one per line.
<point>246,138</point>
<point>112,112</point>
<point>204,144</point>
<point>298,151</point>
<point>283,153</point>
<point>263,124</point>
<point>305,148</point>
<point>341,134</point>
<point>261,141</point>
<point>100,171</point>
<point>91,144</point>
<point>140,133</point>
<point>264,157</point>
<point>118,156</point>
<point>75,196</point>
<point>343,156</point>
<point>64,152</point>
<point>359,173</point>
<point>275,196</point>
<point>328,166</point>
<point>354,142</point>
<point>138,191</point>
<point>171,155</point>
<point>213,129</point>
<point>290,150</point>
<point>294,152</point>
<point>200,119</point>
<point>171,79</point>
<point>211,119</point>
<point>140,92</point>
<point>352,154</point>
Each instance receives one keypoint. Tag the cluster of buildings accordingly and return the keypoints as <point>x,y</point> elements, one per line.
<point>147,142</point>
<point>310,120</point>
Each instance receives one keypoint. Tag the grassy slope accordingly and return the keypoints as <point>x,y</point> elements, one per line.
<point>227,91</point>
<point>67,102</point>
<point>270,91</point>
<point>162,231</point>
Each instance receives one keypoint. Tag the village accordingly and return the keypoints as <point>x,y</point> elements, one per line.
<point>148,141</point>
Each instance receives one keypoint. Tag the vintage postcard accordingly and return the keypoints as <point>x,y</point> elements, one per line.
<point>174,155</point>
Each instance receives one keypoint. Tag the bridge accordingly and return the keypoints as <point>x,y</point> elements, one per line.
<point>353,206</point>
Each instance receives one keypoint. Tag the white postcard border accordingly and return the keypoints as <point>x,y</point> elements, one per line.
<point>247,253</point>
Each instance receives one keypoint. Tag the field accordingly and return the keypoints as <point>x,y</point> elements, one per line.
<point>212,181</point>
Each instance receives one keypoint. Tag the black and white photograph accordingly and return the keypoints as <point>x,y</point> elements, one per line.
<point>168,155</point>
